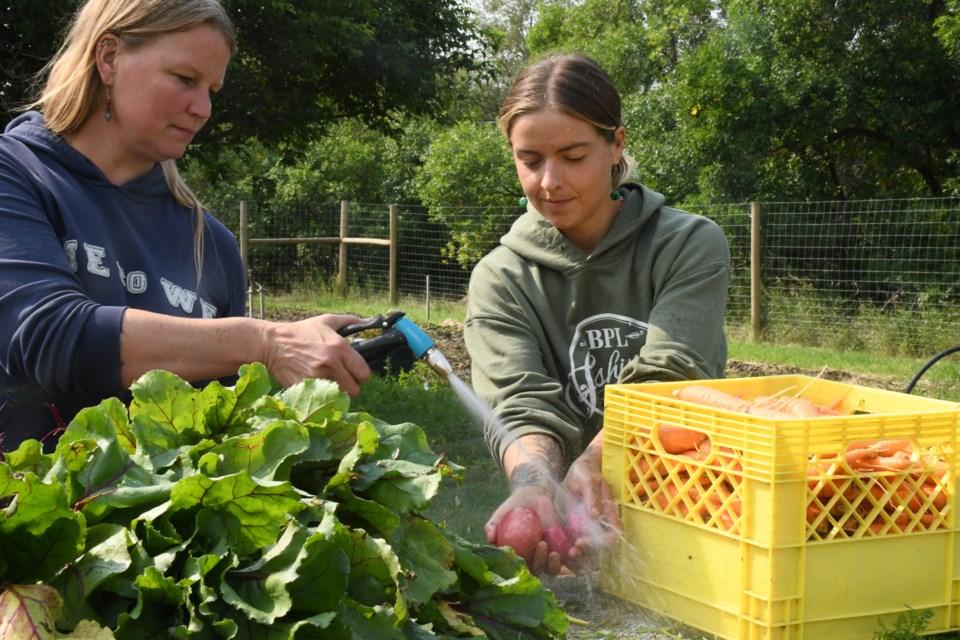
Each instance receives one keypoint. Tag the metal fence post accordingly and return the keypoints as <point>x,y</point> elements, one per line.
<point>344,225</point>
<point>393,255</point>
<point>245,235</point>
<point>756,274</point>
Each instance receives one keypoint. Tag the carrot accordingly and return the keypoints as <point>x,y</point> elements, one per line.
<point>698,454</point>
<point>902,497</point>
<point>710,397</point>
<point>702,394</point>
<point>724,510</point>
<point>667,492</point>
<point>883,447</point>
<point>933,490</point>
<point>882,463</point>
<point>728,459</point>
<point>857,458</point>
<point>645,474</point>
<point>675,439</point>
<point>813,512</point>
<point>824,483</point>
<point>799,407</point>
<point>929,466</point>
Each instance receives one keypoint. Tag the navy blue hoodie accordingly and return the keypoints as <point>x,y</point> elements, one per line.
<point>75,252</point>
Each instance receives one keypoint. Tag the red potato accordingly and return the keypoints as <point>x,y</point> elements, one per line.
<point>579,523</point>
<point>521,530</point>
<point>558,540</point>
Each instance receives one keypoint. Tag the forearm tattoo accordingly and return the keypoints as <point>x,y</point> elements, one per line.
<point>541,463</point>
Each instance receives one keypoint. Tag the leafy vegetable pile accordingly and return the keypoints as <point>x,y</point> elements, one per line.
<point>246,512</point>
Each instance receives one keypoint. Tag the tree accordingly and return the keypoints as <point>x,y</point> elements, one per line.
<point>29,35</point>
<point>302,63</point>
<point>469,164</point>
<point>808,99</point>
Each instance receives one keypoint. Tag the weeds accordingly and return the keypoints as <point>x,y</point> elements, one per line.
<point>907,627</point>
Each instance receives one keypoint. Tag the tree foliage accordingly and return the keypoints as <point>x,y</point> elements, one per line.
<point>302,64</point>
<point>468,165</point>
<point>808,99</point>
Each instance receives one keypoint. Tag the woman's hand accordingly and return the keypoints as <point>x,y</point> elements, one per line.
<point>533,463</point>
<point>200,349</point>
<point>591,512</point>
<point>542,502</point>
<point>312,348</point>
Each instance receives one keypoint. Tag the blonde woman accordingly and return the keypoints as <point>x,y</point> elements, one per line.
<point>109,267</point>
<point>598,282</point>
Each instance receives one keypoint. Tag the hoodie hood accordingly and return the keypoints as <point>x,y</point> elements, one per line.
<point>30,130</point>
<point>533,238</point>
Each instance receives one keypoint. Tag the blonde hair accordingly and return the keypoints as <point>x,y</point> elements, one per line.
<point>72,83</point>
<point>573,84</point>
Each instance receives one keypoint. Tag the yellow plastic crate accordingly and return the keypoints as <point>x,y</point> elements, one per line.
<point>772,535</point>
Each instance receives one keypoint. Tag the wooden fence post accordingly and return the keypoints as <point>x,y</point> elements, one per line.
<point>344,226</point>
<point>393,255</point>
<point>756,274</point>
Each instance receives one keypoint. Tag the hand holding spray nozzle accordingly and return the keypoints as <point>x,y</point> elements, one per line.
<point>397,333</point>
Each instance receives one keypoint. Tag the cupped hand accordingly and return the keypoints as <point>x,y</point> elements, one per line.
<point>312,348</point>
<point>593,519</point>
<point>541,501</point>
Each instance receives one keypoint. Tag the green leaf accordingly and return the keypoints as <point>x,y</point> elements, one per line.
<point>363,513</point>
<point>263,453</point>
<point>253,385</point>
<point>39,533</point>
<point>89,630</point>
<point>29,456</point>
<point>374,571</point>
<point>407,486</point>
<point>507,598</point>
<point>163,398</point>
<point>235,509</point>
<point>260,588</point>
<point>107,423</point>
<point>316,400</point>
<point>106,557</point>
<point>427,557</point>
<point>324,569</point>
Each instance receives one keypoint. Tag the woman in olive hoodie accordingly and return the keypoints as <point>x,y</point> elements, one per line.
<point>598,282</point>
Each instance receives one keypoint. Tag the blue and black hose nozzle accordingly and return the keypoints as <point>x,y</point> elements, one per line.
<point>399,343</point>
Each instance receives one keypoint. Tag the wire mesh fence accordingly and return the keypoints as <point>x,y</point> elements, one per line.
<point>876,274</point>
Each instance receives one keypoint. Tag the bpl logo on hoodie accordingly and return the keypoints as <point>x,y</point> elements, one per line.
<point>601,346</point>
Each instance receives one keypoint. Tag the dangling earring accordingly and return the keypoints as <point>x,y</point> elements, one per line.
<point>108,114</point>
<point>616,195</point>
<point>522,201</point>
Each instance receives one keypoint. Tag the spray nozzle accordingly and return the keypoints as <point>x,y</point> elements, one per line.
<point>397,333</point>
<point>423,347</point>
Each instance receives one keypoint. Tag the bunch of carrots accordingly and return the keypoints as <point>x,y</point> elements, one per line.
<point>880,486</point>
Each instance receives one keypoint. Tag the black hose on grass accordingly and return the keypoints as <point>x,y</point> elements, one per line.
<point>932,361</point>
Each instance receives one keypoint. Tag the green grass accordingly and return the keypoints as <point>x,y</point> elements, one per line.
<point>365,304</point>
<point>425,399</point>
<point>941,380</point>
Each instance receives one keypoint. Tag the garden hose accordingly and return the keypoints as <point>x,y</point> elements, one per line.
<point>932,361</point>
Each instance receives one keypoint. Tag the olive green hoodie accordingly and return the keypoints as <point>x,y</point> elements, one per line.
<point>547,326</point>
